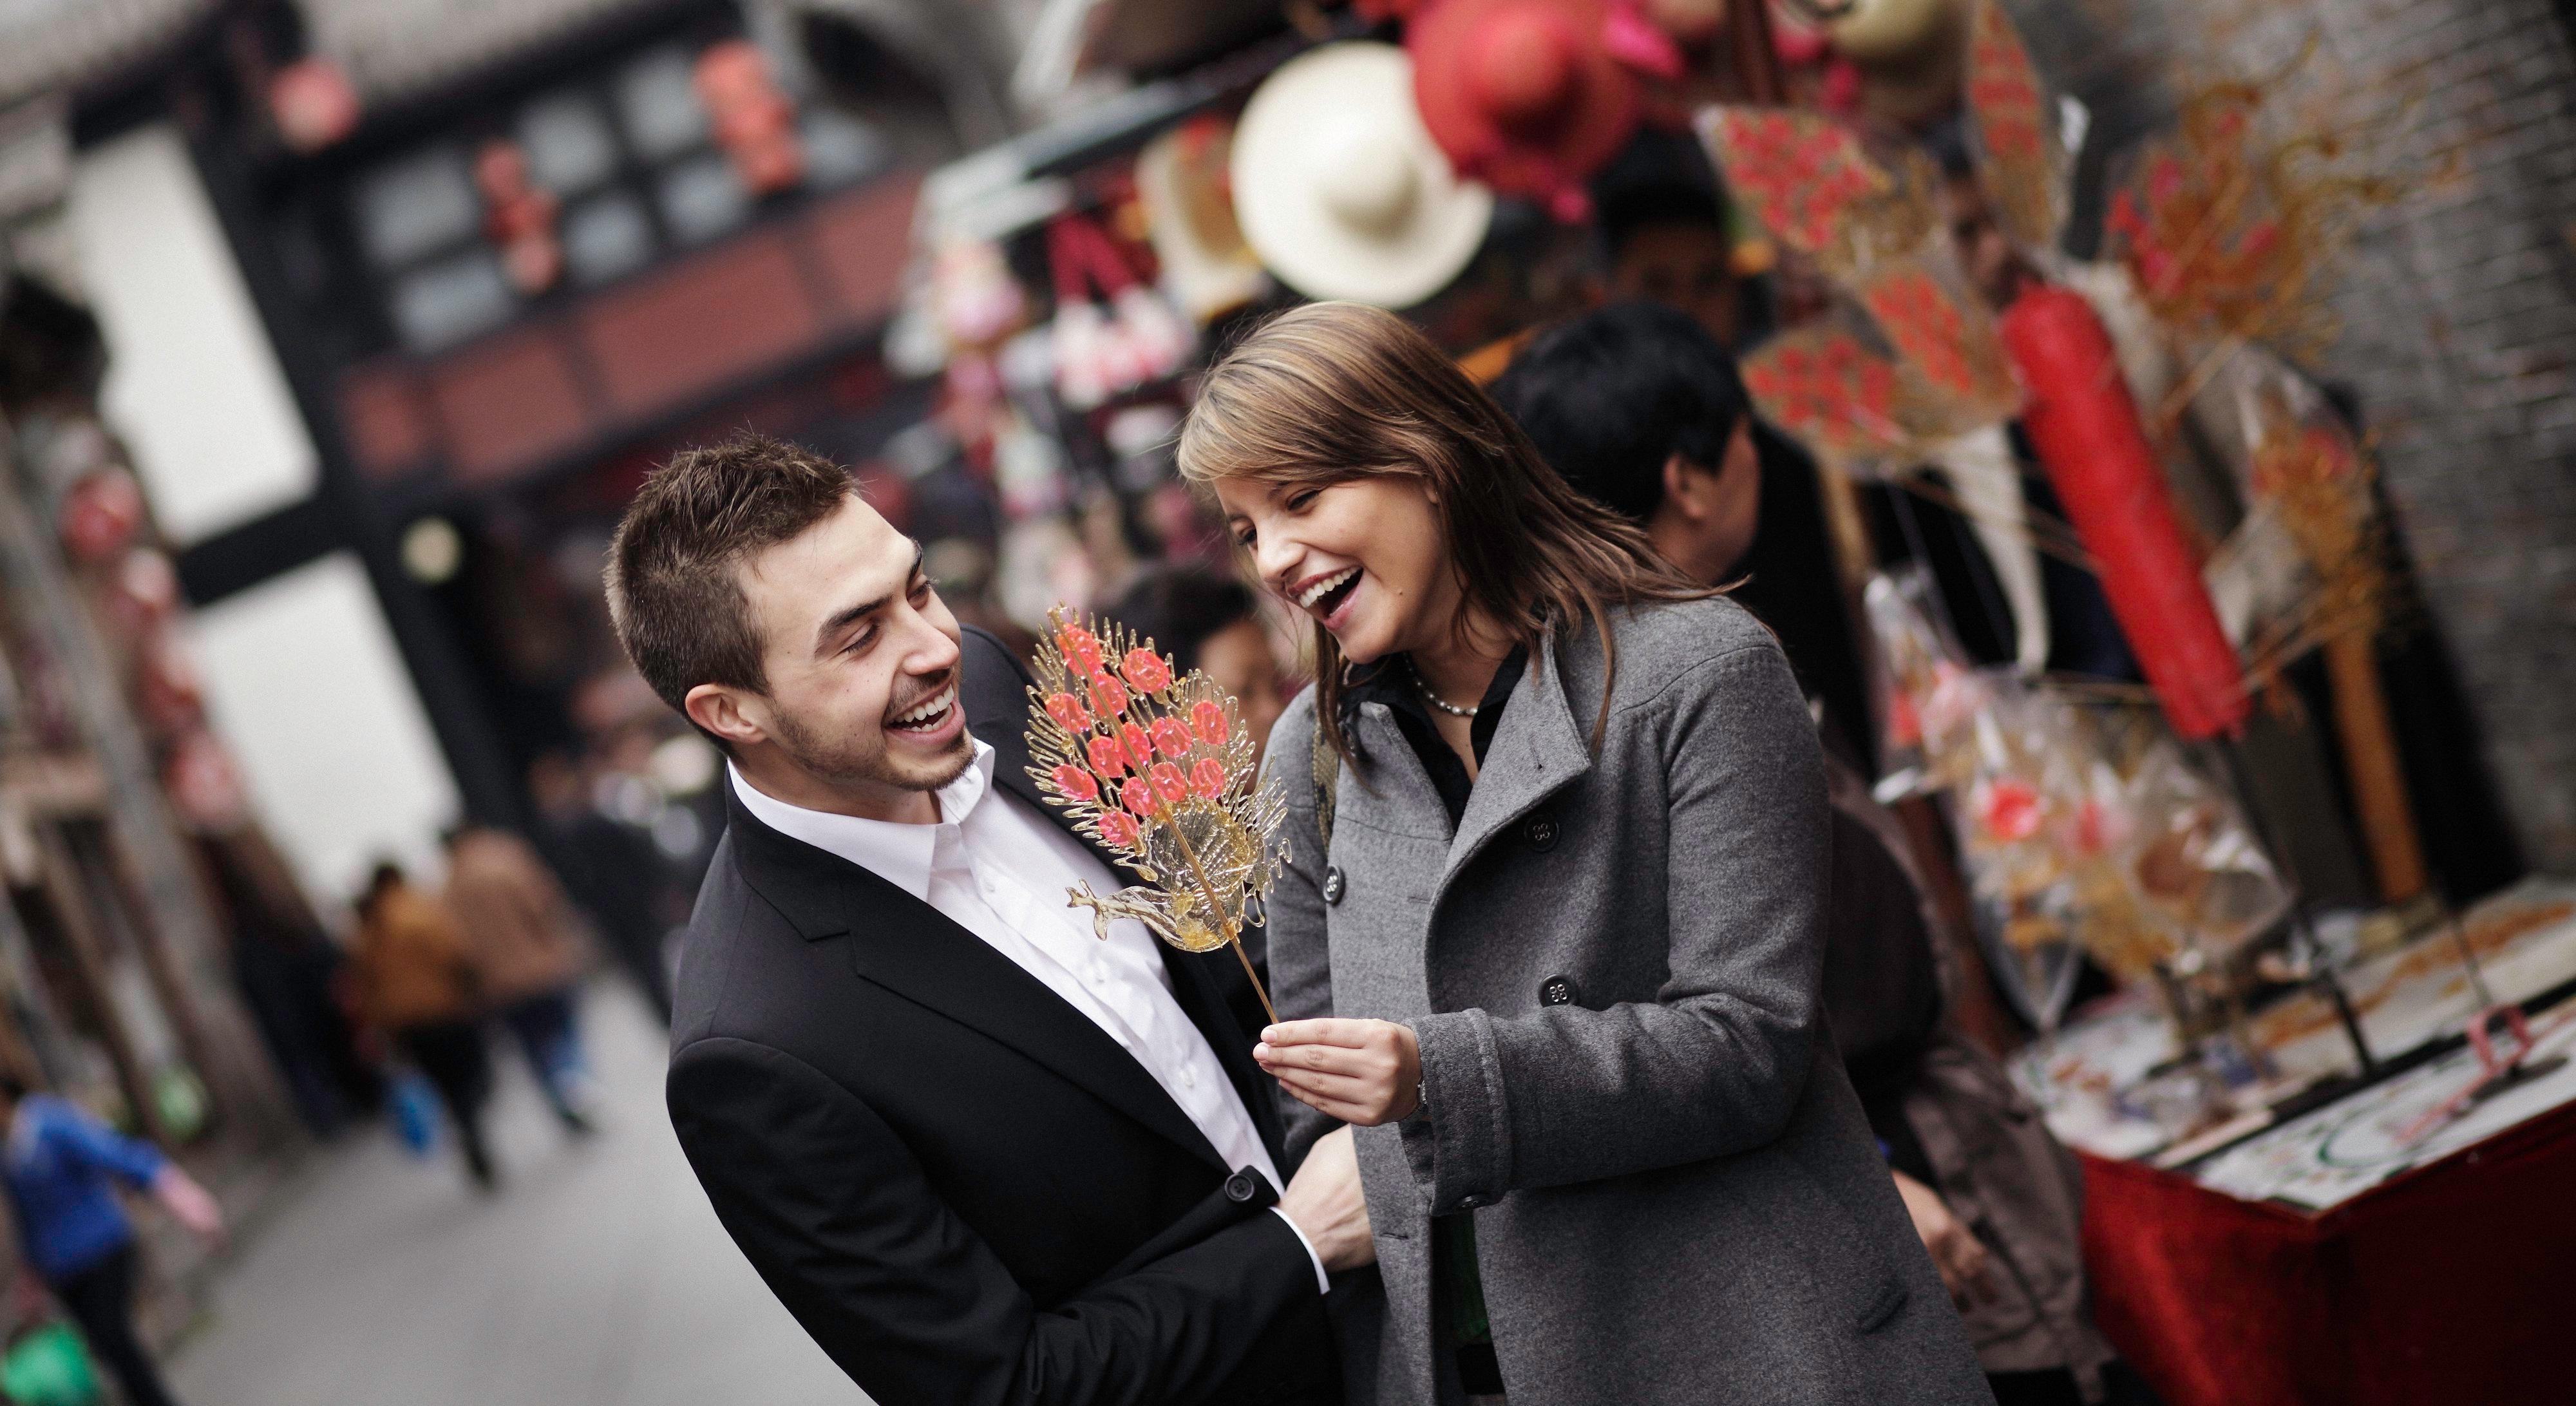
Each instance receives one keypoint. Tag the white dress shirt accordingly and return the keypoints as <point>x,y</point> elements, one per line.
<point>998,868</point>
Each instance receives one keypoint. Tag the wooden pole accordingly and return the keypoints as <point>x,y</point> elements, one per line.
<point>2370,763</point>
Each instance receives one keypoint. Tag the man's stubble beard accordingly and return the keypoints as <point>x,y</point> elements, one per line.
<point>851,766</point>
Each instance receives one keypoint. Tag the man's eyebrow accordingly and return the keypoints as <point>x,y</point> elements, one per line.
<point>841,620</point>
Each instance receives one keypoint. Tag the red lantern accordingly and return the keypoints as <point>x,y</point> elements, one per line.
<point>2086,429</point>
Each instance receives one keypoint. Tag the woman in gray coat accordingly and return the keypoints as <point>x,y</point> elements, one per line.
<point>1551,927</point>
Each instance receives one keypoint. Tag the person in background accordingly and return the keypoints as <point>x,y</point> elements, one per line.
<point>1632,403</point>
<point>1665,241</point>
<point>416,976</point>
<point>527,958</point>
<point>613,872</point>
<point>63,1167</point>
<point>1207,621</point>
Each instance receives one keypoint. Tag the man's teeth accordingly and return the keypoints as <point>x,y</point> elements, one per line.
<point>1326,586</point>
<point>937,704</point>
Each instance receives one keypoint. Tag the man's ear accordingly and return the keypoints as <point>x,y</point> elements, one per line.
<point>1685,487</point>
<point>727,712</point>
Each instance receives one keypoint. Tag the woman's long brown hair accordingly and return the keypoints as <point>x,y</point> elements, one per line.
<point>1335,391</point>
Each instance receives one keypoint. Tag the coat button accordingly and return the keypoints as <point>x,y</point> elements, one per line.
<point>1333,884</point>
<point>1558,991</point>
<point>1239,1187</point>
<point>1541,831</point>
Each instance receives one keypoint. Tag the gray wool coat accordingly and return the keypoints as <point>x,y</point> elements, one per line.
<point>1612,967</point>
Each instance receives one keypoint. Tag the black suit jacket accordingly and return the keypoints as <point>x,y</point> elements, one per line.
<point>964,1189</point>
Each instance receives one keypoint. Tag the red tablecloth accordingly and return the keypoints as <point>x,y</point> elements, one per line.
<point>2455,1282</point>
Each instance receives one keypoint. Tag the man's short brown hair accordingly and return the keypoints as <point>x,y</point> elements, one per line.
<point>673,594</point>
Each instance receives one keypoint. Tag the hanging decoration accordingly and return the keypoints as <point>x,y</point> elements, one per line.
<point>1107,348</point>
<point>754,122</point>
<point>1527,96</point>
<point>518,217</point>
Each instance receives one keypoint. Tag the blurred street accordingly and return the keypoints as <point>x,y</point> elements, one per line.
<point>597,1275</point>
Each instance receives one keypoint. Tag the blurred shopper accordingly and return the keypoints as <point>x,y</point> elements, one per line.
<point>63,1168</point>
<point>1207,621</point>
<point>287,967</point>
<point>417,975</point>
<point>1666,242</point>
<point>527,957</point>
<point>1641,409</point>
<point>612,871</point>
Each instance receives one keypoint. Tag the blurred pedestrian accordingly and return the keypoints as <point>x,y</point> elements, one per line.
<point>1207,621</point>
<point>417,975</point>
<point>63,1167</point>
<point>1644,411</point>
<point>612,870</point>
<point>1666,241</point>
<point>527,957</point>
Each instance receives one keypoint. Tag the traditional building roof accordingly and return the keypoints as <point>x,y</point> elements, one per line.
<point>49,45</point>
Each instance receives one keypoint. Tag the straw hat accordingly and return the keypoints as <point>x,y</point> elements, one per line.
<point>1523,94</point>
<point>1339,189</point>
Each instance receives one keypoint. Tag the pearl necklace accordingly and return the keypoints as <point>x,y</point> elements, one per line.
<point>1435,700</point>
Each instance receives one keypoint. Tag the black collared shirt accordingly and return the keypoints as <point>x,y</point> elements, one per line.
<point>1391,682</point>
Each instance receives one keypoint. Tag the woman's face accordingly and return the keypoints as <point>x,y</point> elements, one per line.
<point>1364,557</point>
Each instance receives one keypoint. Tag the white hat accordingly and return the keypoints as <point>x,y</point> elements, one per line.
<point>1340,190</point>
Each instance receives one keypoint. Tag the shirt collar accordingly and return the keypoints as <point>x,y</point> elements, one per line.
<point>900,854</point>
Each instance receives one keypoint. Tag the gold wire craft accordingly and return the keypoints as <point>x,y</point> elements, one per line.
<point>1158,769</point>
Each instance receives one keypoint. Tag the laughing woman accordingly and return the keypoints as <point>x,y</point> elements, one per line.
<point>1551,930</point>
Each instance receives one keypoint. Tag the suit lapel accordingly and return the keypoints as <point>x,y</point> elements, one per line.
<point>908,947</point>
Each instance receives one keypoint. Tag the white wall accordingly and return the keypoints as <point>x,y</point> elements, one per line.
<point>304,679</point>
<point>191,382</point>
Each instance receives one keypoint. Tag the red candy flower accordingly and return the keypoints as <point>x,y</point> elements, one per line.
<point>2012,810</point>
<point>1208,778</point>
<point>1106,756</point>
<point>1169,784</point>
<point>1116,830</point>
<point>1170,738</point>
<point>1080,648</point>
<point>1145,670</point>
<point>1071,780</point>
<point>1138,796</point>
<point>1068,713</point>
<point>1140,748</point>
<point>1208,721</point>
<point>1107,698</point>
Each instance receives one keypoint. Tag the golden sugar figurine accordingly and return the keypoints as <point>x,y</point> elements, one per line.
<point>1159,769</point>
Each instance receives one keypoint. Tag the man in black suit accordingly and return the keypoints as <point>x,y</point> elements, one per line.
<point>981,1154</point>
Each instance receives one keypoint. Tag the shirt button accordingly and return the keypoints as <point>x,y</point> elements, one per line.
<point>1333,884</point>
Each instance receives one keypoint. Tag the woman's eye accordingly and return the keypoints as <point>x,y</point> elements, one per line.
<point>1245,538</point>
<point>1298,501</point>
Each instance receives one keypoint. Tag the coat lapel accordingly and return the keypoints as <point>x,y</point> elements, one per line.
<point>908,947</point>
<point>1538,750</point>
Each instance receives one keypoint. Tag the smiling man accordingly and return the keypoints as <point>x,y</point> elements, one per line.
<point>981,1154</point>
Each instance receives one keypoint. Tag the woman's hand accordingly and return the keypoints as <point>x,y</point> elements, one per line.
<point>1364,1072</point>
<point>1955,1249</point>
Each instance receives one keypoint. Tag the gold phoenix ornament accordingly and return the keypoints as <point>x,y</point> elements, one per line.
<point>1159,770</point>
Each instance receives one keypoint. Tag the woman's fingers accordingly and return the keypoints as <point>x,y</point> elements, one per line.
<point>1336,1059</point>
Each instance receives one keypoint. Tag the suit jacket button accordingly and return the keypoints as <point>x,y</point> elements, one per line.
<point>1558,991</point>
<point>1541,832</point>
<point>1239,1187</point>
<point>1333,884</point>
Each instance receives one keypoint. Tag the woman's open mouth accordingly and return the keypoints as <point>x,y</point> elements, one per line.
<point>1325,597</point>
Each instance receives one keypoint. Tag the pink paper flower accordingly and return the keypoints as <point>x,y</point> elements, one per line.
<point>1116,830</point>
<point>1080,648</point>
<point>1071,780</point>
<point>1138,796</point>
<point>1107,698</point>
<point>1140,748</point>
<point>1068,713</point>
<point>1171,738</point>
<point>1169,784</point>
<point>1208,778</point>
<point>1208,721</point>
<point>1145,670</point>
<point>1107,757</point>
